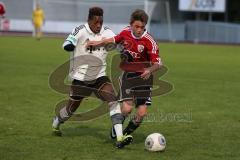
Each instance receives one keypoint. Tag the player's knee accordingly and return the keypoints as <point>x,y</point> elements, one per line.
<point>141,114</point>
<point>142,111</point>
<point>126,110</point>
<point>127,103</point>
<point>127,107</point>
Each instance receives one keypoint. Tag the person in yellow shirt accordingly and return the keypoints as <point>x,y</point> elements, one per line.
<point>38,19</point>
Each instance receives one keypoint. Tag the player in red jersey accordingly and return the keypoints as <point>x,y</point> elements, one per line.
<point>2,9</point>
<point>140,58</point>
<point>2,13</point>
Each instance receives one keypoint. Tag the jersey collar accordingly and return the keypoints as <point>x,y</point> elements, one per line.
<point>144,33</point>
<point>88,28</point>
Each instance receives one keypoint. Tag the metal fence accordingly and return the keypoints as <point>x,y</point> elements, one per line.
<point>216,32</point>
<point>198,31</point>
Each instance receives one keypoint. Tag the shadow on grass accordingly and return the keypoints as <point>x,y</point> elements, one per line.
<point>98,132</point>
<point>89,131</point>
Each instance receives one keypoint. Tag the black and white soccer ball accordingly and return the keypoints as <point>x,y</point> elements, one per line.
<point>155,142</point>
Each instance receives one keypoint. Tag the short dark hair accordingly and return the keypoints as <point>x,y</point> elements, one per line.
<point>139,15</point>
<point>95,11</point>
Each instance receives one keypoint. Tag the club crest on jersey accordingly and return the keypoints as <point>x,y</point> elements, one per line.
<point>140,48</point>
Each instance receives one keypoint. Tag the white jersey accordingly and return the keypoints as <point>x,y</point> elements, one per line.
<point>88,63</point>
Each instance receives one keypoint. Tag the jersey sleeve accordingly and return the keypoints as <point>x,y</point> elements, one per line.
<point>108,33</point>
<point>2,8</point>
<point>153,52</point>
<point>119,38</point>
<point>75,35</point>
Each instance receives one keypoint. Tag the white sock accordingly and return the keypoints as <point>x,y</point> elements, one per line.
<point>118,130</point>
<point>56,123</point>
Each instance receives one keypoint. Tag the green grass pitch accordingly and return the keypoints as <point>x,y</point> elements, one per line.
<point>200,118</point>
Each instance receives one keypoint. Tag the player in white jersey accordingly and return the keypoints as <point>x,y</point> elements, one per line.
<point>88,71</point>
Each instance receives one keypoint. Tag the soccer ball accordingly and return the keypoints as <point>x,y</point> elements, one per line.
<point>155,142</point>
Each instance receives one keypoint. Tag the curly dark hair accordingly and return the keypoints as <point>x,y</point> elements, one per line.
<point>95,11</point>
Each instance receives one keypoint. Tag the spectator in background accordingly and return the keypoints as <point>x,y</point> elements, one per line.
<point>2,9</point>
<point>38,20</point>
<point>2,13</point>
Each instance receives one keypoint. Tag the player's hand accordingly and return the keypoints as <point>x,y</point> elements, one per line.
<point>93,43</point>
<point>146,74</point>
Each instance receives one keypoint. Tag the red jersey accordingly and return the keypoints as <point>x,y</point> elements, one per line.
<point>2,9</point>
<point>142,49</point>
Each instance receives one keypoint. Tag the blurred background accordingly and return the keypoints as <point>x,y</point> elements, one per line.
<point>211,21</point>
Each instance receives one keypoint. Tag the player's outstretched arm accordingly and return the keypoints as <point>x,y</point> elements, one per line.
<point>100,43</point>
